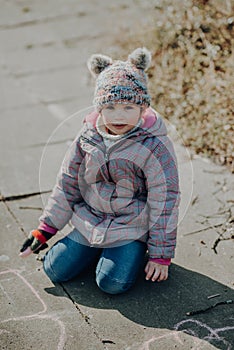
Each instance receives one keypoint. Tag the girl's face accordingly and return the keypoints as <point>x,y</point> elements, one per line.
<point>121,118</point>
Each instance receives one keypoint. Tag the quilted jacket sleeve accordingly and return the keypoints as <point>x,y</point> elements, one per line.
<point>66,193</point>
<point>163,199</point>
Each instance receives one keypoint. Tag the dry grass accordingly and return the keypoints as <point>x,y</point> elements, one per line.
<point>191,80</point>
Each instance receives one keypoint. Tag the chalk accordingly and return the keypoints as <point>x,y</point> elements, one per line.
<point>212,334</point>
<point>25,253</point>
<point>41,315</point>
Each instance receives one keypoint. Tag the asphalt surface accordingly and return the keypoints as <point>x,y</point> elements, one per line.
<point>45,92</point>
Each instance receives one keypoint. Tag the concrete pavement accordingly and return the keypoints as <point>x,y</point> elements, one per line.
<point>45,86</point>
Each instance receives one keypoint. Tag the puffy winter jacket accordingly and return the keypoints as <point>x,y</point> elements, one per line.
<point>126,192</point>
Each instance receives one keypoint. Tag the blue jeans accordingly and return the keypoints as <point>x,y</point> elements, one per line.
<point>116,270</point>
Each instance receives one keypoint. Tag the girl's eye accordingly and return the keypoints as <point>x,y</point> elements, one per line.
<point>128,107</point>
<point>110,108</point>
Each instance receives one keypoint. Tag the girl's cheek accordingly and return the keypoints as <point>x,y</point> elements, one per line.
<point>105,120</point>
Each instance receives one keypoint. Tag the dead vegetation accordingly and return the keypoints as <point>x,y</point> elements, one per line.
<point>191,80</point>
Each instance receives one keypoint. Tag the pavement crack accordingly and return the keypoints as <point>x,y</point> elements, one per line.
<point>52,143</point>
<point>15,219</point>
<point>25,74</point>
<point>227,234</point>
<point>86,318</point>
<point>21,196</point>
<point>218,240</point>
<point>37,21</point>
<point>11,212</point>
<point>39,102</point>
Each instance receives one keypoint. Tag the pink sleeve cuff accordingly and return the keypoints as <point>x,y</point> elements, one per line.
<point>161,261</point>
<point>47,228</point>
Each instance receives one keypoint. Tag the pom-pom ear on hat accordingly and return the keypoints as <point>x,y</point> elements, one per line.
<point>97,63</point>
<point>141,58</point>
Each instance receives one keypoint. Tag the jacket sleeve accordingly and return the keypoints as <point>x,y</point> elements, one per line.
<point>66,193</point>
<point>163,200</point>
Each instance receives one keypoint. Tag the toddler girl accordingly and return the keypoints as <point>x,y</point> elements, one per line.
<point>118,185</point>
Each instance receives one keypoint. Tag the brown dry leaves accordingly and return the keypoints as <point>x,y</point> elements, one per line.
<point>191,80</point>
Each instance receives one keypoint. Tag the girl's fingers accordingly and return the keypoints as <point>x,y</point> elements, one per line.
<point>162,277</point>
<point>149,272</point>
<point>147,268</point>
<point>156,272</point>
<point>156,275</point>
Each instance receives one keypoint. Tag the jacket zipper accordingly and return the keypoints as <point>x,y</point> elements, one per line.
<point>106,156</point>
<point>106,153</point>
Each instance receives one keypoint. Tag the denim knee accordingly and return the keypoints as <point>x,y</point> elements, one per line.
<point>49,271</point>
<point>111,286</point>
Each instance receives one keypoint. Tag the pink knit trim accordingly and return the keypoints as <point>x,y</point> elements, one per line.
<point>149,118</point>
<point>91,118</point>
<point>47,228</point>
<point>161,261</point>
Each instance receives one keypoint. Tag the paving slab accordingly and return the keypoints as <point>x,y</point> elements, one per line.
<point>12,94</point>
<point>23,168</point>
<point>44,59</point>
<point>31,317</point>
<point>208,222</point>
<point>151,314</point>
<point>27,127</point>
<point>37,139</point>
<point>87,22</point>
<point>58,85</point>
<point>14,14</point>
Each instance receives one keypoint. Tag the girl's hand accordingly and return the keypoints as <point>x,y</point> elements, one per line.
<point>33,245</point>
<point>156,272</point>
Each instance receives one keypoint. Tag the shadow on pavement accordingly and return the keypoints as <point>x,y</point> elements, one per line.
<point>164,305</point>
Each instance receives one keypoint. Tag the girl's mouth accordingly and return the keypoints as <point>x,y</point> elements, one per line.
<point>119,126</point>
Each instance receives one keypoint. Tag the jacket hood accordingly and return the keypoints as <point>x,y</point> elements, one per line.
<point>153,123</point>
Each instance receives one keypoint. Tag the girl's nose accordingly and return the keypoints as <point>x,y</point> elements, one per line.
<point>120,111</point>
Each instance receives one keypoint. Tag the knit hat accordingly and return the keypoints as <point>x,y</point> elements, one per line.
<point>121,81</point>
